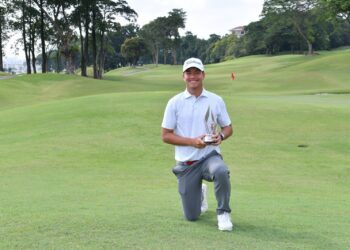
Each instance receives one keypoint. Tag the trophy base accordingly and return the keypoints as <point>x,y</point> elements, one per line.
<point>208,139</point>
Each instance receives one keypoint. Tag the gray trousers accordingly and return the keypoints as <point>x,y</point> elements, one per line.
<point>210,168</point>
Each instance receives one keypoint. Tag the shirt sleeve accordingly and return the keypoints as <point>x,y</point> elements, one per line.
<point>169,118</point>
<point>223,118</point>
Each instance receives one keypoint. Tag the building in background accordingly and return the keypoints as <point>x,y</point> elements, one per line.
<point>238,31</point>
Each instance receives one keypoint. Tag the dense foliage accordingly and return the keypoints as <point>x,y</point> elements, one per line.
<point>67,35</point>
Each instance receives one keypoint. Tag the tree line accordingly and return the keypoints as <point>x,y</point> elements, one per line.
<point>80,33</point>
<point>64,30</point>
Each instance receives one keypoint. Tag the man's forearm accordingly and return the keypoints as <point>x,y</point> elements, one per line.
<point>226,131</point>
<point>177,140</point>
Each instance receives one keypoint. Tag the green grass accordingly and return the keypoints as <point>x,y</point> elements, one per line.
<point>82,165</point>
<point>4,73</point>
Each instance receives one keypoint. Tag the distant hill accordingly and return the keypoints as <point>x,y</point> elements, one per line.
<point>263,75</point>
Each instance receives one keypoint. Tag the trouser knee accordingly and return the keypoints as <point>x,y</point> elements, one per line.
<point>192,217</point>
<point>191,207</point>
<point>222,173</point>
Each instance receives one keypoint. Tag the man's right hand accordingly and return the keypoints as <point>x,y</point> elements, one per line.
<point>170,137</point>
<point>198,142</point>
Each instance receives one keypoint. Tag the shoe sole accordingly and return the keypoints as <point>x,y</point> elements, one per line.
<point>225,229</point>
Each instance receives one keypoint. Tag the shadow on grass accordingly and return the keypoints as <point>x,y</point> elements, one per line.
<point>345,92</point>
<point>270,233</point>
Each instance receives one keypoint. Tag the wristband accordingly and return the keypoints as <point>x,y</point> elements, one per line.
<point>222,136</point>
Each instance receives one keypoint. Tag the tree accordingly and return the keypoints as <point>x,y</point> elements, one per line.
<point>42,36</point>
<point>2,22</point>
<point>57,12</point>
<point>21,17</point>
<point>132,49</point>
<point>4,27</point>
<point>175,21</point>
<point>298,12</point>
<point>223,49</point>
<point>33,31</point>
<point>103,22</point>
<point>279,34</point>
<point>154,35</point>
<point>41,6</point>
<point>162,35</point>
<point>192,46</point>
<point>253,40</point>
<point>337,8</point>
<point>114,58</point>
<point>81,19</point>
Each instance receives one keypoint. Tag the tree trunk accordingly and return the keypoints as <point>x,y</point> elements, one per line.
<point>27,54</point>
<point>58,61</point>
<point>33,59</point>
<point>101,56</point>
<point>68,56</point>
<point>32,50</point>
<point>174,57</point>
<point>31,33</point>
<point>25,45</point>
<point>156,56</point>
<point>86,46</point>
<point>165,52</point>
<point>301,33</point>
<point>94,47</point>
<point>86,43</point>
<point>82,58</point>
<point>310,48</point>
<point>1,62</point>
<point>42,36</point>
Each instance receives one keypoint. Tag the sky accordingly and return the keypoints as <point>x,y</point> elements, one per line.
<point>203,17</point>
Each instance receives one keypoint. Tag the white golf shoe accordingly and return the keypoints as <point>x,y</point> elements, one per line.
<point>204,206</point>
<point>224,222</point>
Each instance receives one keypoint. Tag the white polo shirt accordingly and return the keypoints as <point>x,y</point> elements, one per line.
<point>185,114</point>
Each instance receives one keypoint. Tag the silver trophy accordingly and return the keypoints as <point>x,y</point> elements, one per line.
<point>210,126</point>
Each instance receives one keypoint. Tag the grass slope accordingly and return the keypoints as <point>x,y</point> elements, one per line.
<point>82,165</point>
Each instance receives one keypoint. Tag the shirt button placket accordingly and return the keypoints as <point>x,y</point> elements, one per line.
<point>194,121</point>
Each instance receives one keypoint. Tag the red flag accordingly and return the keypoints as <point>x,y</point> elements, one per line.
<point>232,76</point>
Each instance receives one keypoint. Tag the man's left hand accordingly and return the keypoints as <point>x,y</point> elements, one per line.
<point>217,139</point>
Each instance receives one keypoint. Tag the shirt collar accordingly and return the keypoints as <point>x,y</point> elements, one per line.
<point>188,94</point>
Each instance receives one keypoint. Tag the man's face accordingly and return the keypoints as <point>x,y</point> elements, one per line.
<point>193,78</point>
